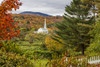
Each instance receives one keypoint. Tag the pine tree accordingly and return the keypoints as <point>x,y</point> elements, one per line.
<point>74,29</point>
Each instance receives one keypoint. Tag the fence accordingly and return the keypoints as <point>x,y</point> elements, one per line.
<point>91,60</point>
<point>94,60</point>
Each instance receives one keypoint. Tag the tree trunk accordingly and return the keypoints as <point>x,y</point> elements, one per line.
<point>82,49</point>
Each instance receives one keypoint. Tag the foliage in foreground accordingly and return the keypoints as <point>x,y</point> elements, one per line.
<point>53,45</point>
<point>10,46</point>
<point>95,43</point>
<point>69,62</point>
<point>8,29</point>
<point>14,60</point>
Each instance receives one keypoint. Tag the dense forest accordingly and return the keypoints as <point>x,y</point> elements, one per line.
<point>35,21</point>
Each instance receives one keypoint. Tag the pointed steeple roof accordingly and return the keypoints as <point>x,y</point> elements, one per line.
<point>45,26</point>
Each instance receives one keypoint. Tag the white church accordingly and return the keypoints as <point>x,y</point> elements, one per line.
<point>43,30</point>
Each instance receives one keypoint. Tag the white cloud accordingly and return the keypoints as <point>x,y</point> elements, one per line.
<point>52,7</point>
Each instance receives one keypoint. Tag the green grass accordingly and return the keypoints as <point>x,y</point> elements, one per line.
<point>26,43</point>
<point>26,46</point>
<point>40,62</point>
<point>30,49</point>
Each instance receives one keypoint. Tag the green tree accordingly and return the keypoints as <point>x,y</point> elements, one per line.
<point>95,43</point>
<point>53,45</point>
<point>73,31</point>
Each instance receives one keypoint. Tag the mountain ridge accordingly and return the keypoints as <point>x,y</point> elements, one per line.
<point>35,13</point>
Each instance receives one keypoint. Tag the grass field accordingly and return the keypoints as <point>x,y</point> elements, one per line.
<point>40,62</point>
<point>24,45</point>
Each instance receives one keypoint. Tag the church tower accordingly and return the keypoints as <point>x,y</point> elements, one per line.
<point>45,26</point>
<point>43,30</point>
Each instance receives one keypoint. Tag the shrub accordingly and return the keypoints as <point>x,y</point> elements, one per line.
<point>71,62</point>
<point>14,60</point>
<point>43,54</point>
<point>29,54</point>
<point>10,46</point>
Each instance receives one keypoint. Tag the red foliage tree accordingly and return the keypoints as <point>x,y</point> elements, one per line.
<point>8,29</point>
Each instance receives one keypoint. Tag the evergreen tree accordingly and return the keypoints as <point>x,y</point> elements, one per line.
<point>73,31</point>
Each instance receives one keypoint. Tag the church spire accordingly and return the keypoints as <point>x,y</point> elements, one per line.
<point>45,26</point>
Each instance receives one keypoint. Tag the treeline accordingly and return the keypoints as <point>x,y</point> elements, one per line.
<point>35,21</point>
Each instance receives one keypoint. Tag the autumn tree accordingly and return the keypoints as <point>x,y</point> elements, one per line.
<point>91,3</point>
<point>53,45</point>
<point>95,43</point>
<point>8,29</point>
<point>94,5</point>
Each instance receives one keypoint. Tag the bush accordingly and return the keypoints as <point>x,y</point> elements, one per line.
<point>77,53</point>
<point>10,46</point>
<point>43,54</point>
<point>71,62</point>
<point>29,54</point>
<point>14,60</point>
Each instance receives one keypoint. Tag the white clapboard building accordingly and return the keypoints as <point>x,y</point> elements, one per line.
<point>43,30</point>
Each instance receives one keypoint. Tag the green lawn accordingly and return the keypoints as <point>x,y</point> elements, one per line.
<point>26,46</point>
<point>40,62</point>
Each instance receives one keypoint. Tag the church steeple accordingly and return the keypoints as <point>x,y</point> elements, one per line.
<point>45,26</point>
<point>43,30</point>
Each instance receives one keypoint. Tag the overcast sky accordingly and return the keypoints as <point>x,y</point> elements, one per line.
<point>52,7</point>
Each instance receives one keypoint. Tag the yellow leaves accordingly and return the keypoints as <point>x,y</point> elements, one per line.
<point>52,44</point>
<point>83,6</point>
<point>85,1</point>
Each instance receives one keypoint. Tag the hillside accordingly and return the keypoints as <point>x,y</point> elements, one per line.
<point>35,13</point>
<point>30,42</point>
<point>35,21</point>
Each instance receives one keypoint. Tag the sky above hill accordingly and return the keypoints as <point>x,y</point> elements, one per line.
<point>52,7</point>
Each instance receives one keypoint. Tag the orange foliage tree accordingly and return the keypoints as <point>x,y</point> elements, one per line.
<point>8,29</point>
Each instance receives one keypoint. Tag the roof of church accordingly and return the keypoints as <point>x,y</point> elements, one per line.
<point>42,28</point>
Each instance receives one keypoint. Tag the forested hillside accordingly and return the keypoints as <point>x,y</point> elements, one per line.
<point>34,21</point>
